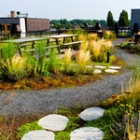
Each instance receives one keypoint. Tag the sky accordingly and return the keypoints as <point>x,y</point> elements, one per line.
<point>69,9</point>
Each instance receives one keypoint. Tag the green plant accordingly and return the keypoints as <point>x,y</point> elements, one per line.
<point>84,46</point>
<point>67,61</point>
<point>135,68</point>
<point>88,71</point>
<point>28,127</point>
<point>133,96</point>
<point>8,50</point>
<point>95,49</point>
<point>39,62</point>
<point>127,128</point>
<point>52,64</point>
<point>124,45</point>
<point>133,126</point>
<point>15,68</point>
<point>82,59</point>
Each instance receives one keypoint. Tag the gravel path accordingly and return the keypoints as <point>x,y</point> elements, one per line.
<point>47,101</point>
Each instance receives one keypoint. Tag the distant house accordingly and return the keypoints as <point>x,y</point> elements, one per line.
<point>135,18</point>
<point>26,25</point>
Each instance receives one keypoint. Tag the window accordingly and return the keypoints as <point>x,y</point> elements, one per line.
<point>3,27</point>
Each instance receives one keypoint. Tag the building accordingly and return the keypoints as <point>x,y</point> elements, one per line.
<point>135,19</point>
<point>23,23</point>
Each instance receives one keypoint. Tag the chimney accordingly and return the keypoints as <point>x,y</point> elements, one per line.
<point>13,14</point>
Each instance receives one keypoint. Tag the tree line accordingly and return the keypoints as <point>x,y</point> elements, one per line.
<point>77,23</point>
<point>123,20</point>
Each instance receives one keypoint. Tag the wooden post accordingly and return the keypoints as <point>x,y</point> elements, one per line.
<point>108,58</point>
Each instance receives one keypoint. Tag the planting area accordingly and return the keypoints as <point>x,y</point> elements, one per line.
<point>67,85</point>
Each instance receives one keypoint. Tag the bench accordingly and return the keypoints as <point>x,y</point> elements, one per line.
<point>46,48</point>
<point>28,51</point>
<point>25,45</point>
<point>71,43</point>
<point>53,47</point>
<point>53,40</point>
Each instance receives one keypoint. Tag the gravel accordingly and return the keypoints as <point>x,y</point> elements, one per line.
<point>24,102</point>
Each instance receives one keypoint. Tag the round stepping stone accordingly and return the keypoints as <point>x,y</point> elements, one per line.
<point>74,64</point>
<point>87,133</point>
<point>100,67</point>
<point>110,71</point>
<point>88,66</point>
<point>96,71</point>
<point>38,135</point>
<point>54,122</point>
<point>114,67</point>
<point>91,113</point>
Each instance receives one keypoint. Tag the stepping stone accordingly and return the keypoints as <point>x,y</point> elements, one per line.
<point>88,66</point>
<point>74,64</point>
<point>110,71</point>
<point>38,135</point>
<point>87,133</point>
<point>100,67</point>
<point>91,113</point>
<point>53,122</point>
<point>114,67</point>
<point>96,71</point>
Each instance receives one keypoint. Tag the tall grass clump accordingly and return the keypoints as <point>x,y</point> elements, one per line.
<point>5,132</point>
<point>133,90</point>
<point>15,68</point>
<point>68,67</point>
<point>99,50</point>
<point>67,57</point>
<point>95,49</point>
<point>84,46</point>
<point>133,127</point>
<point>39,61</point>
<point>8,50</point>
<point>82,59</point>
<point>135,67</point>
<point>52,64</point>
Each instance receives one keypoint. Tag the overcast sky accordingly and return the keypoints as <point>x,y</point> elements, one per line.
<point>69,9</point>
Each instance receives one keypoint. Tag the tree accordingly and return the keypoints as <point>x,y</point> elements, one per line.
<point>103,23</point>
<point>123,19</point>
<point>110,21</point>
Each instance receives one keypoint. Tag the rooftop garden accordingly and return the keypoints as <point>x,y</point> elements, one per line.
<point>121,118</point>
